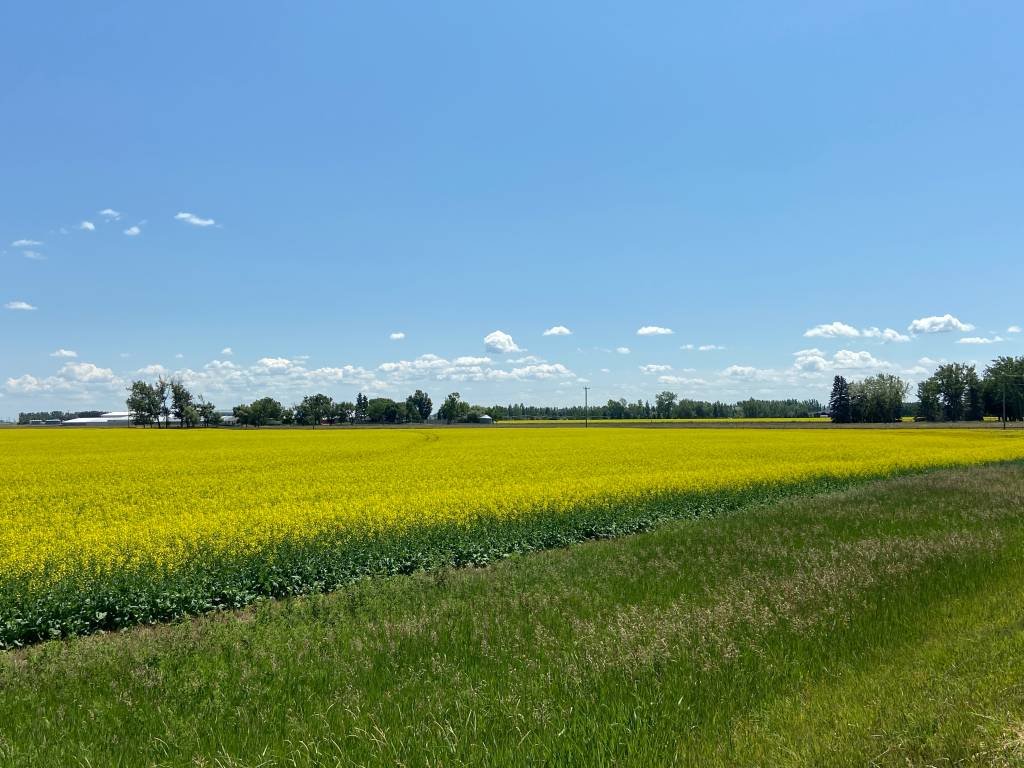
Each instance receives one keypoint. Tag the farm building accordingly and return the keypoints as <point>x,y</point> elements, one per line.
<point>109,419</point>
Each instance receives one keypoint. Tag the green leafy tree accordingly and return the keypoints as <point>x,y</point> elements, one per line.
<point>144,403</point>
<point>208,415</point>
<point>181,399</point>
<point>314,409</point>
<point>1003,382</point>
<point>453,409</point>
<point>664,402</point>
<point>344,411</point>
<point>384,410</point>
<point>362,402</point>
<point>419,406</point>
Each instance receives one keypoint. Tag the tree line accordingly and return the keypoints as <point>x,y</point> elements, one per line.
<point>954,392</point>
<point>666,405</point>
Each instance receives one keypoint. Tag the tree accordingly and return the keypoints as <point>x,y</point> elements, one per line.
<point>259,413</point>
<point>453,409</point>
<point>384,410</point>
<point>313,409</point>
<point>144,403</point>
<point>161,390</point>
<point>181,399</point>
<point>189,416</point>
<point>929,407</point>
<point>344,411</point>
<point>1004,376</point>
<point>360,410</point>
<point>207,413</point>
<point>663,404</point>
<point>419,405</point>
<point>839,404</point>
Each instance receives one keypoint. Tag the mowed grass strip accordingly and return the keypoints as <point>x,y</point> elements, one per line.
<point>883,625</point>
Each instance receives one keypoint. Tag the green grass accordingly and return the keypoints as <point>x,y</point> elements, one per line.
<point>881,625</point>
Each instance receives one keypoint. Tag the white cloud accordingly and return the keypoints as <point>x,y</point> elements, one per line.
<point>816,361</point>
<point>86,372</point>
<point>846,358</point>
<point>939,324</point>
<point>747,372</point>
<point>110,214</point>
<point>24,243</point>
<point>655,368</point>
<point>227,351</point>
<point>709,348</point>
<point>34,255</point>
<point>133,231</point>
<point>622,350</point>
<point>179,356</point>
<point>500,342</point>
<point>654,330</point>
<point>397,336</point>
<point>980,340</point>
<point>889,334</point>
<point>471,360</point>
<point>606,370</point>
<point>682,380</point>
<point>274,363</point>
<point>558,330</point>
<point>154,369</point>
<point>20,305</point>
<point>1013,329</point>
<point>88,226</point>
<point>196,221</point>
<point>64,353</point>
<point>832,330</point>
<point>688,346</point>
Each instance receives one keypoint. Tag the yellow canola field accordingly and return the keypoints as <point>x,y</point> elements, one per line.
<point>103,499</point>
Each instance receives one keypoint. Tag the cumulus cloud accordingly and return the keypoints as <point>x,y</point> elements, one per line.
<point>471,360</point>
<point>110,214</point>
<point>397,336</point>
<point>939,324</point>
<point>21,306</point>
<point>655,368</point>
<point>86,372</point>
<point>840,330</point>
<point>133,231</point>
<point>709,347</point>
<point>227,351</point>
<point>832,330</point>
<point>888,334</point>
<point>500,342</point>
<point>622,350</point>
<point>1013,329</point>
<point>195,221</point>
<point>88,226</point>
<point>558,330</point>
<point>64,353</point>
<point>814,360</point>
<point>980,340</point>
<point>154,369</point>
<point>25,243</point>
<point>747,372</point>
<point>654,330</point>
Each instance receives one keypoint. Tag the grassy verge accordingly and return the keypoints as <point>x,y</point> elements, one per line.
<point>877,625</point>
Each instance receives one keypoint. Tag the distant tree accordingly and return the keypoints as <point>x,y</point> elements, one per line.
<point>288,415</point>
<point>314,409</point>
<point>189,416</point>
<point>929,406</point>
<point>454,408</point>
<point>181,399</point>
<point>362,402</point>
<point>208,415</point>
<point>839,404</point>
<point>264,411</point>
<point>242,414</point>
<point>162,390</point>
<point>1003,382</point>
<point>344,411</point>
<point>663,404</point>
<point>419,403</point>
<point>144,403</point>
<point>384,410</point>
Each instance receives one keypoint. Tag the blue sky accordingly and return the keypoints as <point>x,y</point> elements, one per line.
<point>306,180</point>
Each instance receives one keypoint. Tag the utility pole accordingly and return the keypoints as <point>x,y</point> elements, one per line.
<point>586,407</point>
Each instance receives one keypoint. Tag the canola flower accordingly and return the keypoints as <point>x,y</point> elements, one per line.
<point>98,517</point>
